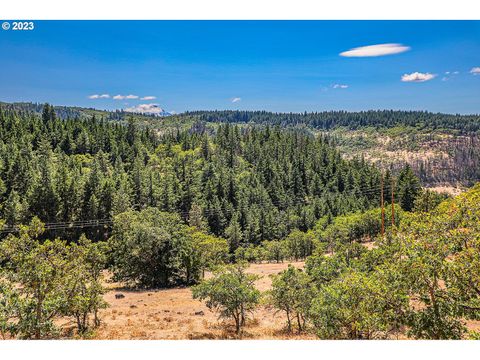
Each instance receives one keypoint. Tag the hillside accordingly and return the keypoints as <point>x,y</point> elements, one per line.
<point>442,149</point>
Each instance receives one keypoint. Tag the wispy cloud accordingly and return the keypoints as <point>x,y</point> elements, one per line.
<point>375,50</point>
<point>96,96</point>
<point>418,77</point>
<point>475,70</point>
<point>340,86</point>
<point>236,99</point>
<point>146,109</point>
<point>449,75</point>
<point>122,97</point>
<point>148,98</point>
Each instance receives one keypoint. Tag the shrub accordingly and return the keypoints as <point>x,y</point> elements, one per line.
<point>292,293</point>
<point>152,248</point>
<point>45,281</point>
<point>299,244</point>
<point>275,250</point>
<point>231,292</point>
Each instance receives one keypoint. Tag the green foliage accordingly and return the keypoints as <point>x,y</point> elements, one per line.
<point>324,269</point>
<point>440,259</point>
<point>231,292</point>
<point>422,281</point>
<point>428,200</point>
<point>292,293</point>
<point>299,245</point>
<point>251,254</point>
<point>353,120</point>
<point>275,250</point>
<point>356,306</point>
<point>247,185</point>
<point>209,250</point>
<point>42,282</point>
<point>152,248</point>
<point>408,188</point>
<point>86,290</point>
<point>8,305</point>
<point>355,227</point>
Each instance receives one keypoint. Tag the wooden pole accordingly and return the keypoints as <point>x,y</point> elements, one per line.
<point>382,205</point>
<point>393,205</point>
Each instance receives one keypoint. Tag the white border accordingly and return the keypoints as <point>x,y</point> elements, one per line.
<point>239,350</point>
<point>240,9</point>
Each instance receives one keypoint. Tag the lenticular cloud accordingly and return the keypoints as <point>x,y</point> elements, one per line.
<point>375,50</point>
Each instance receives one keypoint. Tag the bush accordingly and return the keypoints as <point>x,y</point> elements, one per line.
<point>356,306</point>
<point>152,248</point>
<point>209,250</point>
<point>292,293</point>
<point>299,244</point>
<point>231,292</point>
<point>42,282</point>
<point>89,261</point>
<point>249,254</point>
<point>275,250</point>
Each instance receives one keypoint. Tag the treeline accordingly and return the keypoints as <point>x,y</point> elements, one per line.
<point>27,109</point>
<point>245,184</point>
<point>353,120</point>
<point>71,112</point>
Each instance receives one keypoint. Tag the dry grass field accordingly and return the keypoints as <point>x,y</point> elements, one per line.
<point>167,314</point>
<point>174,314</point>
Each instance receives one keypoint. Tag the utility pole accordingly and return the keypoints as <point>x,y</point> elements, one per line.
<point>382,205</point>
<point>393,206</point>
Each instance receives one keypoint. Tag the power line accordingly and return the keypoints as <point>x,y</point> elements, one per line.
<point>366,191</point>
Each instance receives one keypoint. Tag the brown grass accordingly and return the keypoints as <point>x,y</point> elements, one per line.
<point>174,314</point>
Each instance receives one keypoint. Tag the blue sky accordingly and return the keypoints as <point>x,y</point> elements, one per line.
<point>269,65</point>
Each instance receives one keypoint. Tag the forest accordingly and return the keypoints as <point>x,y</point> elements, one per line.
<point>442,149</point>
<point>84,196</point>
<point>328,120</point>
<point>261,182</point>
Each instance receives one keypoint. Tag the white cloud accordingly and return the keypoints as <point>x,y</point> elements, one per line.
<point>236,99</point>
<point>340,86</point>
<point>96,96</point>
<point>148,98</point>
<point>417,77</point>
<point>475,70</point>
<point>375,50</point>
<point>130,97</point>
<point>146,109</point>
